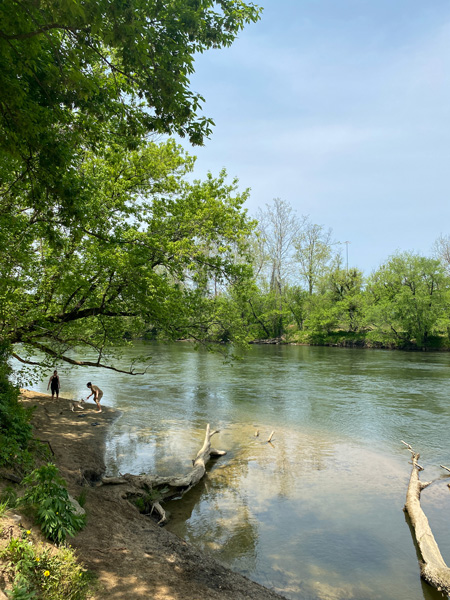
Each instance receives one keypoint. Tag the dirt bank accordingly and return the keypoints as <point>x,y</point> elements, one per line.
<point>132,556</point>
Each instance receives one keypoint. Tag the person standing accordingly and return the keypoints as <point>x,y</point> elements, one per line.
<point>97,393</point>
<point>54,383</point>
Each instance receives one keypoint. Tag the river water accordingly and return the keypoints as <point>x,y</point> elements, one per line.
<point>316,514</point>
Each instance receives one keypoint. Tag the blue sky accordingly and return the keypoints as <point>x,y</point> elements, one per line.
<point>341,108</point>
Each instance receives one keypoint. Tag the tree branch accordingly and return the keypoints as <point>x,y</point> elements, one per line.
<point>75,315</point>
<point>25,361</point>
<point>79,363</point>
<point>433,569</point>
<point>29,34</point>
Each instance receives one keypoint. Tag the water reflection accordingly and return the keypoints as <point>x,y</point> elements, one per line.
<point>318,513</point>
<point>297,504</point>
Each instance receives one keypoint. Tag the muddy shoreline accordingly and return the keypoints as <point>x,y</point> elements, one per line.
<point>132,557</point>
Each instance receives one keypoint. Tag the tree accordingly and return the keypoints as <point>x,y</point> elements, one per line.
<point>313,252</point>
<point>84,195</point>
<point>98,230</point>
<point>409,296</point>
<point>279,227</point>
<point>140,255</point>
<point>441,250</point>
<point>75,74</point>
<point>78,79</point>
<point>297,302</point>
<point>345,291</point>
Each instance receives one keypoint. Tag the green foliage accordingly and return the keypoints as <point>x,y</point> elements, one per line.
<point>313,253</point>
<point>81,499</point>
<point>145,503</point>
<point>297,300</point>
<point>405,304</point>
<point>140,504</point>
<point>100,232</point>
<point>47,495</point>
<point>410,298</point>
<point>344,289</point>
<point>153,249</point>
<point>4,505</point>
<point>8,497</point>
<point>74,75</point>
<point>15,428</point>
<point>322,319</point>
<point>43,573</point>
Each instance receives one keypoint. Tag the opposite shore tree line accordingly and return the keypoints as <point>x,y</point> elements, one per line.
<point>302,290</point>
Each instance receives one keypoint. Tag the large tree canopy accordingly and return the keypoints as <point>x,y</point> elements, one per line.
<point>75,64</point>
<point>75,74</point>
<point>141,253</point>
<point>98,225</point>
<point>409,296</point>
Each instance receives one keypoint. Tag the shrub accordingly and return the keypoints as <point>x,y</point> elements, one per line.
<point>15,428</point>
<point>39,572</point>
<point>47,495</point>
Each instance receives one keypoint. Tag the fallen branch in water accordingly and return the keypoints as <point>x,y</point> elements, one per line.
<point>433,569</point>
<point>151,490</point>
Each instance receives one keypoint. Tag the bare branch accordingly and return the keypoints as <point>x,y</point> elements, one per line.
<point>168,487</point>
<point>81,363</point>
<point>25,361</point>
<point>433,568</point>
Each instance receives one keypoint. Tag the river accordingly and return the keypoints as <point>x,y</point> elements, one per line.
<point>316,514</point>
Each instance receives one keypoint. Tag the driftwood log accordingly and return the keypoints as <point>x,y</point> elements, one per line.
<point>433,569</point>
<point>151,490</point>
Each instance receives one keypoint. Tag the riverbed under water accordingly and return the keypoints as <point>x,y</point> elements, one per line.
<point>317,513</point>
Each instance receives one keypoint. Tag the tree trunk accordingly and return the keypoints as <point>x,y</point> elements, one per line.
<point>150,490</point>
<point>432,568</point>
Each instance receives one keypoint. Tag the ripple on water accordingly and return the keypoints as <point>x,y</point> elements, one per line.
<point>318,513</point>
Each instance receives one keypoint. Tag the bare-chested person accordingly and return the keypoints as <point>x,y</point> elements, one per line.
<point>97,393</point>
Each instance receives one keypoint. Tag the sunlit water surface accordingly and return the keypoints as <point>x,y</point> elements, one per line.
<point>317,513</point>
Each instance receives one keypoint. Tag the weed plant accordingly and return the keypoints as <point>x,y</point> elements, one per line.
<point>46,494</point>
<point>43,573</point>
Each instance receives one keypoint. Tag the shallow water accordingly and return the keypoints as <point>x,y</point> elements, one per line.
<point>316,514</point>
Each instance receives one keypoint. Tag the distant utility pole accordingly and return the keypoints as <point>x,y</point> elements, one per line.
<point>346,251</point>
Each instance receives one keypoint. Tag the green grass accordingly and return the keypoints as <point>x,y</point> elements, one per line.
<point>42,572</point>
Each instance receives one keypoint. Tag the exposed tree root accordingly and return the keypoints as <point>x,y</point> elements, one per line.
<point>151,490</point>
<point>432,568</point>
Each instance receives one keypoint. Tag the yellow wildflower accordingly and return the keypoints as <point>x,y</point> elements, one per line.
<point>28,532</point>
<point>46,573</point>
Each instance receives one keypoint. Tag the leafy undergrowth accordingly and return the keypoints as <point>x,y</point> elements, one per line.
<point>31,568</point>
<point>46,495</point>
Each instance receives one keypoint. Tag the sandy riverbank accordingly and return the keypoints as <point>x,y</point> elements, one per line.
<point>132,556</point>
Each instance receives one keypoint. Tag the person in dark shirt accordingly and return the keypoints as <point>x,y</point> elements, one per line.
<point>53,382</point>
